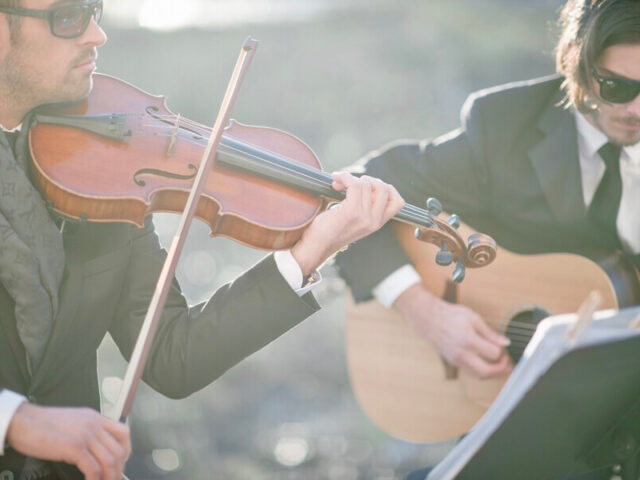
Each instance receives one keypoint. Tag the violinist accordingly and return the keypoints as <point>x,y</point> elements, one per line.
<point>549,164</point>
<point>61,292</point>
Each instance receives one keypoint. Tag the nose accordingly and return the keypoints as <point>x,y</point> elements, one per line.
<point>94,35</point>
<point>633,107</point>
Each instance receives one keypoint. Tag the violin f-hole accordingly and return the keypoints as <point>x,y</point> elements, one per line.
<point>163,173</point>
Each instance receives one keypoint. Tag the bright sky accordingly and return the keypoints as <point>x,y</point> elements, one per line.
<point>173,15</point>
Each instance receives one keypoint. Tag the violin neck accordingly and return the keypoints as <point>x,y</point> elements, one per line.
<point>235,154</point>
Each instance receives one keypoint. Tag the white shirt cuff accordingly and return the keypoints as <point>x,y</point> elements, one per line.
<point>394,284</point>
<point>292,273</point>
<point>9,403</point>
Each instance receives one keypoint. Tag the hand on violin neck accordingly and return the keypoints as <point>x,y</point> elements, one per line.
<point>368,205</point>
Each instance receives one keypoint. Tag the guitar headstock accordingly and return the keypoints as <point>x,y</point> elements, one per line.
<point>478,251</point>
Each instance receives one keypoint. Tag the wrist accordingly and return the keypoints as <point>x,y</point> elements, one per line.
<point>309,257</point>
<point>420,308</point>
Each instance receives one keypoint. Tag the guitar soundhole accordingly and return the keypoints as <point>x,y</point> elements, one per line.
<point>521,328</point>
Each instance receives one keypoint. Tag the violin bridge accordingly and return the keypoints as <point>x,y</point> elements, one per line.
<point>172,139</point>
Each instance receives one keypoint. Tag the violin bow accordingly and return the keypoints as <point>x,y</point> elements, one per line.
<point>145,338</point>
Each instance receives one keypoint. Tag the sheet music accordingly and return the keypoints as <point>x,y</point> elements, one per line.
<point>549,343</point>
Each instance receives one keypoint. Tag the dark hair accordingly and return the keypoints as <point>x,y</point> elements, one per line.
<point>588,28</point>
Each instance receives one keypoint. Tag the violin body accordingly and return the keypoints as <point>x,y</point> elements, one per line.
<point>151,167</point>
<point>121,154</point>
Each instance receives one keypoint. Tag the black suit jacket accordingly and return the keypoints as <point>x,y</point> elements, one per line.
<point>110,275</point>
<point>511,171</point>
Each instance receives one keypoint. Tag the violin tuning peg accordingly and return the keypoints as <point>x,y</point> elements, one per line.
<point>454,221</point>
<point>434,207</point>
<point>444,257</point>
<point>458,273</point>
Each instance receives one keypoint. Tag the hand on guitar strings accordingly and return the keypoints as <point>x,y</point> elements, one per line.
<point>461,336</point>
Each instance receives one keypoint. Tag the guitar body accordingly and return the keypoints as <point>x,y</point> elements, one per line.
<point>402,382</point>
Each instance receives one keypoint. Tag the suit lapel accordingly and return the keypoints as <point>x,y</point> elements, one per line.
<point>64,329</point>
<point>555,160</point>
<point>9,331</point>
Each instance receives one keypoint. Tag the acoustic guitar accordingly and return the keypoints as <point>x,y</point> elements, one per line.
<point>402,382</point>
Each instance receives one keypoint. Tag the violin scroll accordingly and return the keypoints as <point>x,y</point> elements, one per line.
<point>478,251</point>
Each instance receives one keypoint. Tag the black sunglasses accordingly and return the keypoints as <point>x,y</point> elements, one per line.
<point>66,21</point>
<point>617,89</point>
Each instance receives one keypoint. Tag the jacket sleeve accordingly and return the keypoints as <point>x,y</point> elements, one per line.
<point>451,168</point>
<point>195,345</point>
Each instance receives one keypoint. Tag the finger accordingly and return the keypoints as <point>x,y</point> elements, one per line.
<point>106,459</point>
<point>87,464</point>
<point>120,432</point>
<point>118,451</point>
<point>490,334</point>
<point>395,203</point>
<point>342,180</point>
<point>366,193</point>
<point>380,201</point>
<point>485,348</point>
<point>484,369</point>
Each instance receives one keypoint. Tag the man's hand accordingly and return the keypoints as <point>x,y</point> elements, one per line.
<point>461,336</point>
<point>369,203</point>
<point>99,447</point>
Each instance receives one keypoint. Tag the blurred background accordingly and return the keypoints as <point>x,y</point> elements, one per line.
<point>346,76</point>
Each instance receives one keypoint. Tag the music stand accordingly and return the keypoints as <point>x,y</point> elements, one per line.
<point>568,407</point>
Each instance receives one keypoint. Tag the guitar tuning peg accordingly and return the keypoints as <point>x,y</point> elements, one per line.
<point>454,221</point>
<point>434,207</point>
<point>444,257</point>
<point>458,273</point>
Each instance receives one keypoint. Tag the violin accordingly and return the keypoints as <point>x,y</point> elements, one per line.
<point>121,154</point>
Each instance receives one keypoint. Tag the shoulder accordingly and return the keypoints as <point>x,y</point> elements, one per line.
<point>517,99</point>
<point>501,118</point>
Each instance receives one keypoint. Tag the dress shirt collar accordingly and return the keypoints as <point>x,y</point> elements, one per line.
<point>14,129</point>
<point>590,137</point>
<point>634,154</point>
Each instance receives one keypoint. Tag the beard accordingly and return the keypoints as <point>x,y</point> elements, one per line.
<point>613,126</point>
<point>28,83</point>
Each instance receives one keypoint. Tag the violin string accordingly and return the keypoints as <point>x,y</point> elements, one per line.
<point>419,214</point>
<point>323,178</point>
<point>318,177</point>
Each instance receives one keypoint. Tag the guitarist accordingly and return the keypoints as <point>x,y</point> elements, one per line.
<point>545,165</point>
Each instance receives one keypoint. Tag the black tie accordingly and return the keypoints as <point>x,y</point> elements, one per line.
<point>606,201</point>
